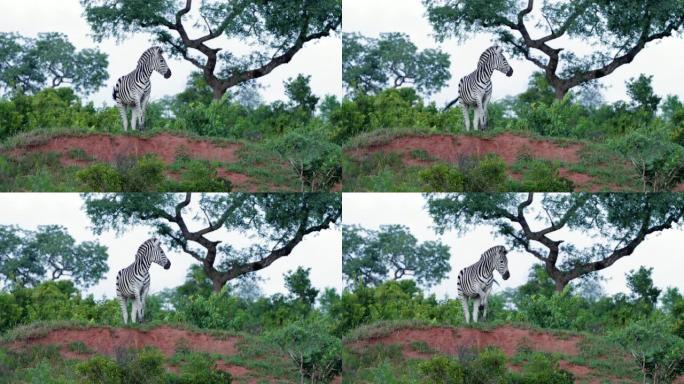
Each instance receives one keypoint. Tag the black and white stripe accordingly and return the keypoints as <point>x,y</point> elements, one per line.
<point>475,89</point>
<point>476,281</point>
<point>133,282</point>
<point>133,90</point>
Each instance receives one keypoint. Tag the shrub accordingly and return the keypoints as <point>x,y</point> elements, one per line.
<point>312,349</point>
<point>442,178</point>
<point>486,174</point>
<point>200,176</point>
<point>542,369</point>
<point>441,369</point>
<point>100,178</point>
<point>99,370</point>
<point>542,176</point>
<point>199,368</point>
<point>314,159</point>
<point>656,351</point>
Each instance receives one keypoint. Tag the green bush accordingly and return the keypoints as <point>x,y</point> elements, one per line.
<point>656,351</point>
<point>144,366</point>
<point>542,176</point>
<point>312,349</point>
<point>199,368</point>
<point>542,368</point>
<point>100,177</point>
<point>442,178</point>
<point>485,174</point>
<point>314,160</point>
<point>441,369</point>
<point>199,176</point>
<point>99,370</point>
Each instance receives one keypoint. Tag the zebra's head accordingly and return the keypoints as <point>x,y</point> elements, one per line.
<point>159,62</point>
<point>501,261</point>
<point>157,255</point>
<point>495,58</point>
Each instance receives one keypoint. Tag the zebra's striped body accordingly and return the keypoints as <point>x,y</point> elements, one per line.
<point>476,280</point>
<point>132,91</point>
<point>133,282</point>
<point>475,89</point>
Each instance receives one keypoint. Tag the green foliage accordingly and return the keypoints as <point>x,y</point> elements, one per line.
<point>441,369</point>
<point>541,176</point>
<point>314,160</point>
<point>655,350</point>
<point>370,65</point>
<point>641,92</point>
<point>312,349</point>
<point>542,369</point>
<point>30,257</point>
<point>442,178</point>
<point>299,286</point>
<point>143,174</point>
<point>640,283</point>
<point>145,366</point>
<point>658,161</point>
<point>50,60</point>
<point>299,92</point>
<point>370,257</point>
<point>200,368</point>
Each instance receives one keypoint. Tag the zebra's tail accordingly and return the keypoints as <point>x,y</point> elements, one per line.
<point>454,101</point>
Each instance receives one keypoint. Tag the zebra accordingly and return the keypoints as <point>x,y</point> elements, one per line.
<point>132,91</point>
<point>133,282</point>
<point>475,281</point>
<point>475,89</point>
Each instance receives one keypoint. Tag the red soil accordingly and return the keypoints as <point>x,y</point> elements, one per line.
<point>106,341</point>
<point>106,148</point>
<point>509,146</point>
<point>110,148</point>
<point>451,340</point>
<point>452,148</point>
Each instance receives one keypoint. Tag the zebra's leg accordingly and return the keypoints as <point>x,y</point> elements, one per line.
<point>143,108</point>
<point>466,310</point>
<point>485,303</point>
<point>123,303</point>
<point>134,117</point>
<point>476,308</point>
<point>476,119</point>
<point>143,297</point>
<point>124,116</point>
<point>466,117</point>
<point>485,113</point>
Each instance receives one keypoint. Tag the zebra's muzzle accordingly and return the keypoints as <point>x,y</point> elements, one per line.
<point>167,265</point>
<point>510,72</point>
<point>506,275</point>
<point>167,74</point>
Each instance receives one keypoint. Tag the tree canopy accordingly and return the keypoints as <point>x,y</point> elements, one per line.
<point>49,253</point>
<point>50,60</point>
<point>276,224</point>
<point>276,30</point>
<point>370,257</point>
<point>616,30</point>
<point>370,65</point>
<point>616,223</point>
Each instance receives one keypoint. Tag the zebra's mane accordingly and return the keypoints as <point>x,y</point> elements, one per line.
<point>489,51</point>
<point>143,245</point>
<point>150,52</point>
<point>488,251</point>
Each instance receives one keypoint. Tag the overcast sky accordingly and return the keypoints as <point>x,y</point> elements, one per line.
<point>321,252</point>
<point>322,59</point>
<point>370,18</point>
<point>664,252</point>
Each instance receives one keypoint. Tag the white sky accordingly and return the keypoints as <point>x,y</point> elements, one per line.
<point>322,59</point>
<point>663,252</point>
<point>321,252</point>
<point>370,18</point>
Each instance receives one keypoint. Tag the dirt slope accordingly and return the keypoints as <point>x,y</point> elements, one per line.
<point>451,149</point>
<point>110,148</point>
<point>106,341</point>
<point>453,341</point>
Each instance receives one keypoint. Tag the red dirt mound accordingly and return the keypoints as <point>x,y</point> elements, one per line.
<point>109,148</point>
<point>452,340</point>
<point>106,341</point>
<point>452,148</point>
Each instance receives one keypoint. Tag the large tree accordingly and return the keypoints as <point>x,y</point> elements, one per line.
<point>370,257</point>
<point>616,31</point>
<point>48,253</point>
<point>49,60</point>
<point>536,223</point>
<point>276,223</point>
<point>392,60</point>
<point>275,29</point>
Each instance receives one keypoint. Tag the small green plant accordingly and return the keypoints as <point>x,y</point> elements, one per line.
<point>100,178</point>
<point>199,368</point>
<point>442,178</point>
<point>99,370</point>
<point>420,154</point>
<point>78,347</point>
<point>441,369</point>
